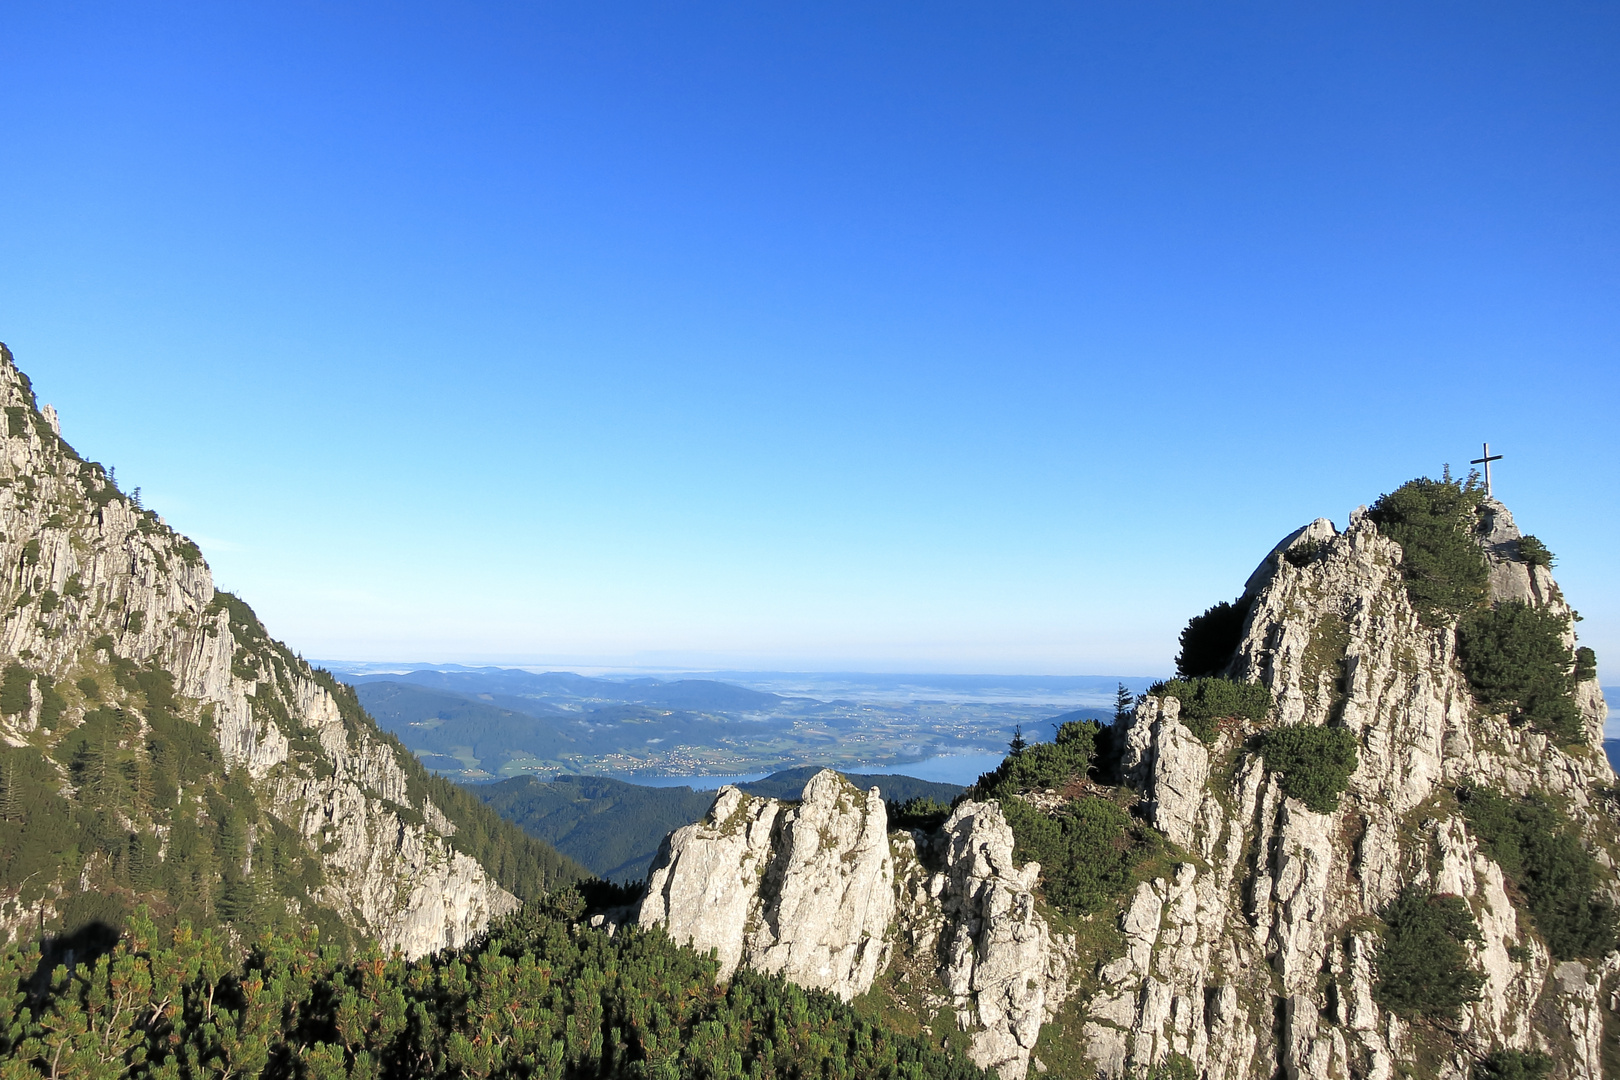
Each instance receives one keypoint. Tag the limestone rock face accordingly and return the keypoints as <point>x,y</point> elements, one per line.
<point>812,892</point>
<point>997,957</point>
<point>704,885</point>
<point>95,581</point>
<point>805,891</point>
<point>1263,935</point>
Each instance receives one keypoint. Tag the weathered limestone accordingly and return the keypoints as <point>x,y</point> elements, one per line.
<point>1263,940</point>
<point>811,892</point>
<point>806,891</point>
<point>997,957</point>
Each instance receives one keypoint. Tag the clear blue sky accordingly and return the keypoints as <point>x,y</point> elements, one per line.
<point>962,337</point>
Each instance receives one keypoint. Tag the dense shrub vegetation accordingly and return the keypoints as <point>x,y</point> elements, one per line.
<point>1538,849</point>
<point>1087,850</point>
<point>1089,846</point>
<point>1423,965</point>
<point>923,812</point>
<point>1315,762</point>
<point>1512,1065</point>
<point>541,997</point>
<point>1443,566</point>
<point>1304,552</point>
<point>1039,766</point>
<point>1210,639</point>
<point>1204,701</point>
<point>1515,660</point>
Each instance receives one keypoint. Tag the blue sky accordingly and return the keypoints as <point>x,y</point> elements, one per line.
<point>951,337</point>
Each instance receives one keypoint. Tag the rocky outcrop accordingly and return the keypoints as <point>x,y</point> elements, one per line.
<point>97,588</point>
<point>805,891</point>
<point>997,958</point>
<point>1262,934</point>
<point>1256,954</point>
<point>811,891</point>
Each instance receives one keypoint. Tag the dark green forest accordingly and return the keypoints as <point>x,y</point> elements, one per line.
<point>539,996</point>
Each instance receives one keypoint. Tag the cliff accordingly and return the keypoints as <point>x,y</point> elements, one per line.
<point>1385,920</point>
<point>158,747</point>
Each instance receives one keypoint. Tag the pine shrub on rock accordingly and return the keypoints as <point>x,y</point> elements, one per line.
<point>1516,661</point>
<point>1423,966</point>
<point>1443,566</point>
<point>1210,639</point>
<point>1533,552</point>
<point>1087,849</point>
<point>1315,763</point>
<point>1512,1065</point>
<point>1206,700</point>
<point>1039,766</point>
<point>1561,882</point>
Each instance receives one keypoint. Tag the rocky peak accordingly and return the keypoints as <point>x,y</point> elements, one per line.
<point>1262,948</point>
<point>1294,892</point>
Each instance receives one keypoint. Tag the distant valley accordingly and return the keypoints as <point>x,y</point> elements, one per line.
<point>478,724</point>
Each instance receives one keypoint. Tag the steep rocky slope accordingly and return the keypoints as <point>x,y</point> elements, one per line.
<point>1267,938</point>
<point>157,746</point>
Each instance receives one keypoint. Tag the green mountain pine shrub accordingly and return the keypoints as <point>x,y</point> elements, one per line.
<point>1538,849</point>
<point>1315,763</point>
<point>1433,521</point>
<point>540,996</point>
<point>1210,639</point>
<point>1039,766</point>
<point>1423,964</point>
<point>1087,850</point>
<point>1585,665</point>
<point>1090,846</point>
<point>1512,1065</point>
<point>1533,552</point>
<point>1515,660</point>
<point>1207,700</point>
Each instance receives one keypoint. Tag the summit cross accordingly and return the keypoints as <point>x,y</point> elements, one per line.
<point>1486,461</point>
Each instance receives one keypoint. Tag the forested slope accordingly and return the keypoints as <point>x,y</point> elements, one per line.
<point>543,996</point>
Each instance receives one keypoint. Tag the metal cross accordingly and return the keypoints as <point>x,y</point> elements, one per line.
<point>1486,461</point>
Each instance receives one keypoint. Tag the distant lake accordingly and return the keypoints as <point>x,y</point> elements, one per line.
<point>961,769</point>
<point>949,769</point>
